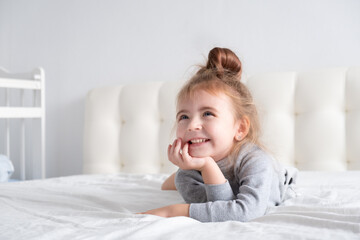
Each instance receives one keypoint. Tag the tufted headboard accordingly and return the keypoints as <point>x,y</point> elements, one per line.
<point>310,120</point>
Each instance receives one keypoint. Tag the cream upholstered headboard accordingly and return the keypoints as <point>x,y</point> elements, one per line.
<point>310,120</point>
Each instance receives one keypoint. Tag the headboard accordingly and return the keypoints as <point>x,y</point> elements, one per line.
<point>310,120</point>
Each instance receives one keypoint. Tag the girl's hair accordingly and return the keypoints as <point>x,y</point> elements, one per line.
<point>222,74</point>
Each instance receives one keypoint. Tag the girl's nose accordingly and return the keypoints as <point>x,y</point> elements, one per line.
<point>195,124</point>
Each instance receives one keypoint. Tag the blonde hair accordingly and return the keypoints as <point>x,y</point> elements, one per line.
<point>222,74</point>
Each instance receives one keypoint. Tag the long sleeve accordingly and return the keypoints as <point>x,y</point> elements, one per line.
<point>255,179</point>
<point>219,192</point>
<point>191,186</point>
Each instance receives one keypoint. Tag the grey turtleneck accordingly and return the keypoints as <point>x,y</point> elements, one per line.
<point>254,183</point>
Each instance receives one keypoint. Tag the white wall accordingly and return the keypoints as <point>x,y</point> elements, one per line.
<point>83,44</point>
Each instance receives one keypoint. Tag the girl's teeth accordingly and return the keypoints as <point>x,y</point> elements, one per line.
<point>198,140</point>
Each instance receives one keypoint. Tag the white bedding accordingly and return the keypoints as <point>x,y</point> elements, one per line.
<point>327,206</point>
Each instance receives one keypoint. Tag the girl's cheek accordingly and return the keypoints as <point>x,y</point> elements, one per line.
<point>177,134</point>
<point>179,131</point>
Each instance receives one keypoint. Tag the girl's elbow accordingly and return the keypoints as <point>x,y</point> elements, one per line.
<point>169,183</point>
<point>167,187</point>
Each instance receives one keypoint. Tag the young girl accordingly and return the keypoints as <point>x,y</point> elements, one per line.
<point>223,173</point>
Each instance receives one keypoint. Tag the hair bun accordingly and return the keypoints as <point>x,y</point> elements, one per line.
<point>224,61</point>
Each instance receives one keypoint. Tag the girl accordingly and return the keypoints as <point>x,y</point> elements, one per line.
<point>224,173</point>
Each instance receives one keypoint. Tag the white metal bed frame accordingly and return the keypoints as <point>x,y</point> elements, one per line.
<point>35,81</point>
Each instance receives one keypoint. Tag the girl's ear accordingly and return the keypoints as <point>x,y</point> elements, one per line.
<point>243,126</point>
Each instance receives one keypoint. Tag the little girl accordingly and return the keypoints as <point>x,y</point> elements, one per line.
<point>224,173</point>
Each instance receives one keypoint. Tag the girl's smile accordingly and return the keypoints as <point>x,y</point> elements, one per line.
<point>197,143</point>
<point>201,140</point>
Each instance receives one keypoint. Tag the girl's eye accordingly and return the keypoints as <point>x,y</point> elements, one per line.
<point>208,114</point>
<point>182,117</point>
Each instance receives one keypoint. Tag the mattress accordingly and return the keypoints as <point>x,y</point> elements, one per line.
<point>326,206</point>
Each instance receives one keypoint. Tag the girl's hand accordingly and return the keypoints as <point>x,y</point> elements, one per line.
<point>183,160</point>
<point>170,211</point>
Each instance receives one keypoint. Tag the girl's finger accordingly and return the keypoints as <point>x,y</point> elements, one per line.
<point>173,147</point>
<point>185,152</point>
<point>174,152</point>
<point>171,156</point>
<point>177,147</point>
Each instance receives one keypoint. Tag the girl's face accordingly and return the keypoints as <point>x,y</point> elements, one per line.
<point>207,123</point>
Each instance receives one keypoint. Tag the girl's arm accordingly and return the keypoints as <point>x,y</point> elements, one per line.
<point>191,186</point>
<point>211,173</point>
<point>170,211</point>
<point>256,192</point>
<point>169,183</point>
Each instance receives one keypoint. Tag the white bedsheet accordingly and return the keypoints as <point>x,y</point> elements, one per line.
<point>327,206</point>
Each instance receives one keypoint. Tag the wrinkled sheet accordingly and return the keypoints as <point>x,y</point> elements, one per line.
<point>327,206</point>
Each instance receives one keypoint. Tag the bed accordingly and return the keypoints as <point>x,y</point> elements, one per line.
<point>309,119</point>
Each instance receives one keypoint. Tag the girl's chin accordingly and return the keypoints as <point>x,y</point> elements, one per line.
<point>198,154</point>
<point>203,155</point>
